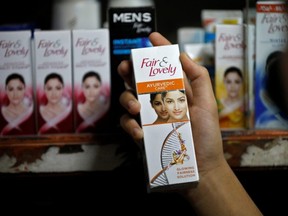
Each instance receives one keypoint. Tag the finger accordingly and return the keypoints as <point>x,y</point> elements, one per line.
<point>125,71</point>
<point>158,40</point>
<point>203,95</point>
<point>131,126</point>
<point>129,102</point>
<point>188,89</point>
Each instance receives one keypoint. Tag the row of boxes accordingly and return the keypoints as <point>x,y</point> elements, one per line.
<point>244,64</point>
<point>54,81</point>
<point>249,80</point>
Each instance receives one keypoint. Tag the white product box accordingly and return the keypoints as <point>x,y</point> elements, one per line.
<point>271,40</point>
<point>91,75</point>
<point>169,146</point>
<point>230,76</point>
<point>17,102</point>
<point>210,18</point>
<point>53,72</point>
<point>250,74</point>
<point>189,35</point>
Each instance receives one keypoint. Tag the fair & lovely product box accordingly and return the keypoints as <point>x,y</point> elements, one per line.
<point>53,72</point>
<point>91,78</point>
<point>230,76</point>
<point>169,146</point>
<point>271,41</point>
<point>17,104</point>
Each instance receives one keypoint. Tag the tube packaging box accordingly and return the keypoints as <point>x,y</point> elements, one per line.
<point>169,146</point>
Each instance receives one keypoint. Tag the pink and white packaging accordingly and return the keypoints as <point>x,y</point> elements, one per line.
<point>91,61</point>
<point>17,115</point>
<point>53,63</point>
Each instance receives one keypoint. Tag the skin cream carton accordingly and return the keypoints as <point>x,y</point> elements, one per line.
<point>129,28</point>
<point>271,42</point>
<point>17,115</point>
<point>91,79</point>
<point>53,72</point>
<point>168,141</point>
<point>230,76</point>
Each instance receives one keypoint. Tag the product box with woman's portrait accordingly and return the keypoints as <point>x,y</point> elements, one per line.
<point>230,76</point>
<point>17,114</point>
<point>271,41</point>
<point>53,72</point>
<point>164,115</point>
<point>91,78</point>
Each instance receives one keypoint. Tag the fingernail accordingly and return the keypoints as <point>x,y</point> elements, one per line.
<point>137,132</point>
<point>131,104</point>
<point>187,56</point>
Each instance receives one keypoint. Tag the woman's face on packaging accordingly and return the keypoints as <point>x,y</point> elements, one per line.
<point>15,91</point>
<point>159,107</point>
<point>176,104</point>
<point>54,90</point>
<point>91,88</point>
<point>233,84</point>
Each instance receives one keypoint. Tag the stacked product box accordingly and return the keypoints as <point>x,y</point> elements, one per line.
<point>189,35</point>
<point>129,28</point>
<point>169,145</point>
<point>271,40</point>
<point>230,76</point>
<point>91,79</point>
<point>210,18</point>
<point>17,115</point>
<point>249,78</point>
<point>53,72</point>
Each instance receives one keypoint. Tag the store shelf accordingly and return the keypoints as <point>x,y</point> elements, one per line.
<point>256,148</point>
<point>249,149</point>
<point>55,140</point>
<point>243,149</point>
<point>63,153</point>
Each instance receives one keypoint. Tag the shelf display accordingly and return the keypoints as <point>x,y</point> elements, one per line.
<point>243,148</point>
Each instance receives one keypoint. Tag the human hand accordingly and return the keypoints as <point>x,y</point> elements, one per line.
<point>202,107</point>
<point>219,192</point>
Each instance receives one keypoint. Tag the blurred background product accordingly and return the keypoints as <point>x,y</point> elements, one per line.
<point>130,3</point>
<point>76,14</point>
